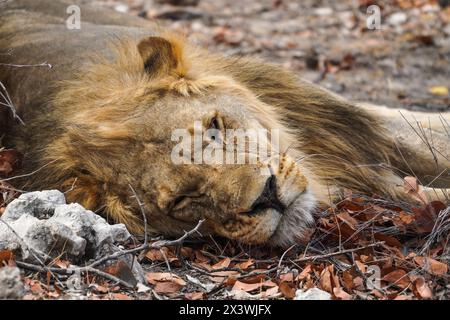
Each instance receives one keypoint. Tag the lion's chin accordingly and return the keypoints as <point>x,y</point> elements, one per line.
<point>270,227</point>
<point>296,224</point>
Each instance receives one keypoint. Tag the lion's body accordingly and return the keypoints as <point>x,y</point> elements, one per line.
<point>345,146</point>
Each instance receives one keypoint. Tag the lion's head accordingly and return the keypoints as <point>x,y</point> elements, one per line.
<point>118,119</point>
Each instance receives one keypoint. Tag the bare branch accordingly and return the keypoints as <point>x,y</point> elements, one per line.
<point>43,64</point>
<point>332,254</point>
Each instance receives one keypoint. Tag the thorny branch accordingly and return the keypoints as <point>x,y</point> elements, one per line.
<point>91,268</point>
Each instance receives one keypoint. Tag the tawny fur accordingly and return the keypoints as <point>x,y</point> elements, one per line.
<point>86,133</point>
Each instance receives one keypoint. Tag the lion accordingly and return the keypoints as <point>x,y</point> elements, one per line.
<point>98,125</point>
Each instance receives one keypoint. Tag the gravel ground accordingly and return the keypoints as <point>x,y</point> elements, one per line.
<point>403,64</point>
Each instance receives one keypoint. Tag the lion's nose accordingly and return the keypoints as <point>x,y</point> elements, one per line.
<point>269,197</point>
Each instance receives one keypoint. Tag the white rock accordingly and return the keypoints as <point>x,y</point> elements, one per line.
<point>11,286</point>
<point>121,7</point>
<point>46,224</point>
<point>36,204</point>
<point>325,11</point>
<point>41,224</point>
<point>312,294</point>
<point>397,18</point>
<point>447,30</point>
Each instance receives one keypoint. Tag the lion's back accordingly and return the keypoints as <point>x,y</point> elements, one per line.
<point>34,31</point>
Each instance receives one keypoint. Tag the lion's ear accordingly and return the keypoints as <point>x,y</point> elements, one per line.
<point>162,55</point>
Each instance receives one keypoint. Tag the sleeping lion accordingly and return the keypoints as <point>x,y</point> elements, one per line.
<point>99,124</point>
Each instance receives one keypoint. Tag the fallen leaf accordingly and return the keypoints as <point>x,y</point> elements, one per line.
<point>122,271</point>
<point>403,297</point>
<point>167,287</point>
<point>389,240</point>
<point>361,266</point>
<point>422,288</point>
<point>5,257</point>
<point>431,265</point>
<point>63,264</point>
<point>36,287</point>
<point>238,285</point>
<point>271,292</point>
<point>221,276</point>
<point>121,296</point>
<point>349,220</point>
<point>347,280</point>
<point>224,263</point>
<point>194,296</point>
<point>99,288</point>
<point>245,265</point>
<point>305,272</point>
<point>398,277</point>
<point>155,277</point>
<point>325,281</point>
<point>163,254</point>
<point>415,190</point>
<point>53,294</point>
<point>288,277</point>
<point>10,160</point>
<point>246,286</point>
<point>341,294</point>
<point>287,289</point>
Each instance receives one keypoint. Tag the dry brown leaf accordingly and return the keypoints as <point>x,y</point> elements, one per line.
<point>121,296</point>
<point>224,263</point>
<point>425,217</point>
<point>341,294</point>
<point>403,297</point>
<point>287,289</point>
<point>422,288</point>
<point>99,288</point>
<point>35,287</point>
<point>415,190</point>
<point>247,287</point>
<point>194,296</point>
<point>289,277</point>
<point>389,240</point>
<point>305,272</point>
<point>5,257</point>
<point>122,271</point>
<point>10,160</point>
<point>162,254</point>
<point>347,280</point>
<point>63,264</point>
<point>431,265</point>
<point>167,287</point>
<point>155,277</point>
<point>325,280</point>
<point>222,276</point>
<point>245,265</point>
<point>398,277</point>
<point>349,220</point>
<point>53,294</point>
<point>254,279</point>
<point>271,292</point>
<point>361,266</point>
<point>200,257</point>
